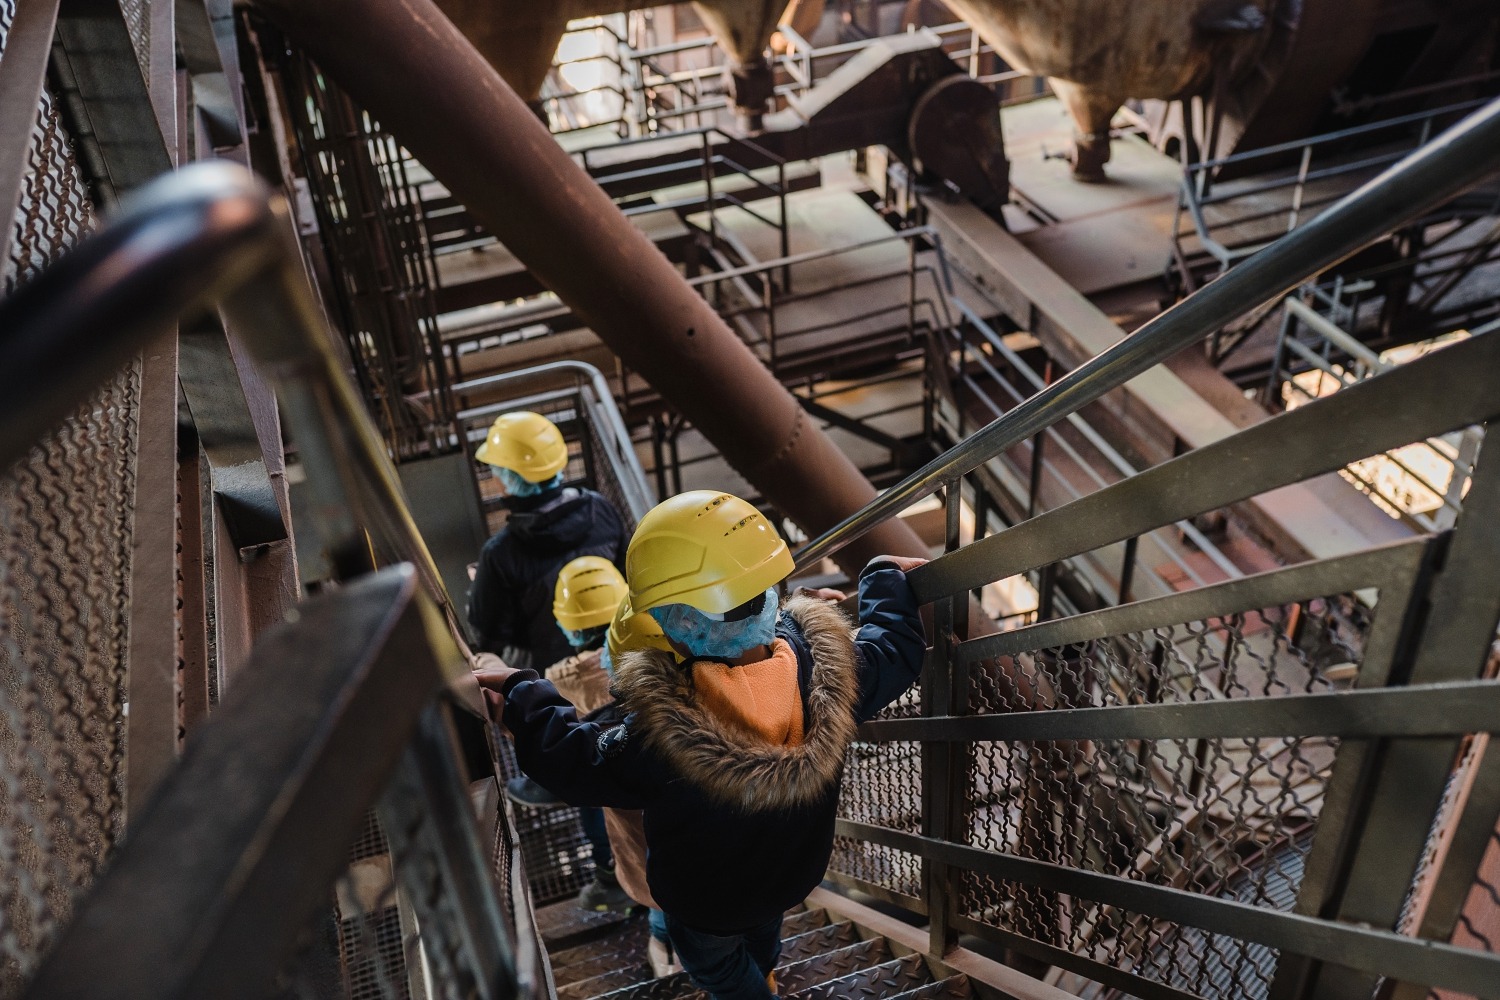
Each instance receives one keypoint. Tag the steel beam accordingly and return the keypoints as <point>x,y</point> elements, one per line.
<point>414,71</point>
<point>151,726</point>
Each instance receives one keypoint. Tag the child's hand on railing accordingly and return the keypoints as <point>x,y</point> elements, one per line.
<point>492,672</point>
<point>822,594</point>
<point>904,563</point>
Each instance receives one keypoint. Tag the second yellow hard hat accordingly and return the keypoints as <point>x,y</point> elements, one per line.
<point>588,591</point>
<point>527,443</point>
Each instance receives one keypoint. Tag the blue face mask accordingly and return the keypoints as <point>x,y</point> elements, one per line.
<point>702,636</point>
<point>583,638</point>
<point>516,486</point>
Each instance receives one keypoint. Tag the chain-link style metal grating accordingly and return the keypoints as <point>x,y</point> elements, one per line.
<point>1479,917</point>
<point>1300,648</point>
<point>65,539</point>
<point>882,786</point>
<point>557,858</point>
<point>138,21</point>
<point>54,209</point>
<point>1229,818</point>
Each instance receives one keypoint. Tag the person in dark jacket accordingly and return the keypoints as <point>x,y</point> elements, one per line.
<point>736,752</point>
<point>510,602</point>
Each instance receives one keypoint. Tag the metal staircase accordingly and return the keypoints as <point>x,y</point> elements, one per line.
<point>1275,786</point>
<point>822,958</point>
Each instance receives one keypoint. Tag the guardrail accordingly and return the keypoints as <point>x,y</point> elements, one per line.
<point>1450,164</point>
<point>1280,785</point>
<point>347,713</point>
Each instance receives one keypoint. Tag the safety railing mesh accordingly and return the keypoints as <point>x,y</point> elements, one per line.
<point>65,559</point>
<point>1231,818</point>
<point>1228,818</point>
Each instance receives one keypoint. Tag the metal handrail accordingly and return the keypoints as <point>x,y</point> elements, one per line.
<point>632,477</point>
<point>211,233</point>
<point>1452,163</point>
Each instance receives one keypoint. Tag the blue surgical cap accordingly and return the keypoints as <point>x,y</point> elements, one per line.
<point>703,636</point>
<point>518,486</point>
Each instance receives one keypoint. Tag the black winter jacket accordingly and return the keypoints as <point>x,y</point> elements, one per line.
<point>510,602</point>
<point>737,830</point>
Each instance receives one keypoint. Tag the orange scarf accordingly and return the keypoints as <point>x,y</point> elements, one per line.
<point>761,698</point>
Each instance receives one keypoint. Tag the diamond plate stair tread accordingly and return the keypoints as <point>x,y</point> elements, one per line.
<point>816,942</point>
<point>795,948</point>
<point>606,961</point>
<point>793,978</point>
<point>629,937</point>
<point>887,979</point>
<point>607,982</point>
<point>801,921</point>
<point>952,988</point>
<point>565,924</point>
<point>677,987</point>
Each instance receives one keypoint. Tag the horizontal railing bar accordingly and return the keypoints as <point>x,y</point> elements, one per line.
<point>1376,567</point>
<point>1452,163</point>
<point>1366,949</point>
<point>1095,439</point>
<point>1320,437</point>
<point>1136,986</point>
<point>1326,137</point>
<point>1427,710</point>
<point>1334,334</point>
<point>880,892</point>
<point>792,260</point>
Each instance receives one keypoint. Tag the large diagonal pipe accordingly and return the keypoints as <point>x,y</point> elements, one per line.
<point>415,72</point>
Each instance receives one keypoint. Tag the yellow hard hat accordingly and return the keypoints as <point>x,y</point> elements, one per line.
<point>588,591</point>
<point>710,550</point>
<point>633,631</point>
<point>526,443</point>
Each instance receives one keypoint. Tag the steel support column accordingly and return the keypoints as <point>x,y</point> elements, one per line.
<point>415,72</point>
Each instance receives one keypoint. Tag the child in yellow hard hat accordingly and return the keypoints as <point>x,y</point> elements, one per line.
<point>734,746</point>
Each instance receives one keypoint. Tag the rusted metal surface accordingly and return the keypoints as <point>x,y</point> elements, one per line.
<point>518,37</point>
<point>151,727</point>
<point>1098,56</point>
<point>413,69</point>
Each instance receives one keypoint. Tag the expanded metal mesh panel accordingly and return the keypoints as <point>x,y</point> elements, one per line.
<point>54,209</point>
<point>883,787</point>
<point>1227,818</point>
<point>557,858</point>
<point>65,540</point>
<point>138,20</point>
<point>1300,648</point>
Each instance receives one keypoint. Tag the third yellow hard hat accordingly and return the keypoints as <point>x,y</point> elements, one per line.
<point>527,443</point>
<point>707,549</point>
<point>630,631</point>
<point>588,591</point>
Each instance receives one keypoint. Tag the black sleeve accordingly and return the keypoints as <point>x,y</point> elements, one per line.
<point>583,763</point>
<point>494,605</point>
<point>890,641</point>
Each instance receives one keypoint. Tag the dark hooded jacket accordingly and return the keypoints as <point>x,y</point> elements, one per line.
<point>510,603</point>
<point>738,830</point>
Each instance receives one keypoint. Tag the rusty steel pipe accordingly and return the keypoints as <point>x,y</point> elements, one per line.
<point>406,62</point>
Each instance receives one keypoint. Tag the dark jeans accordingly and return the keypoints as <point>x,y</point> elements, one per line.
<point>592,821</point>
<point>728,968</point>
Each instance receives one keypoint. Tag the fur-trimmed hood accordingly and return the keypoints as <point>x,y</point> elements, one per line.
<point>731,766</point>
